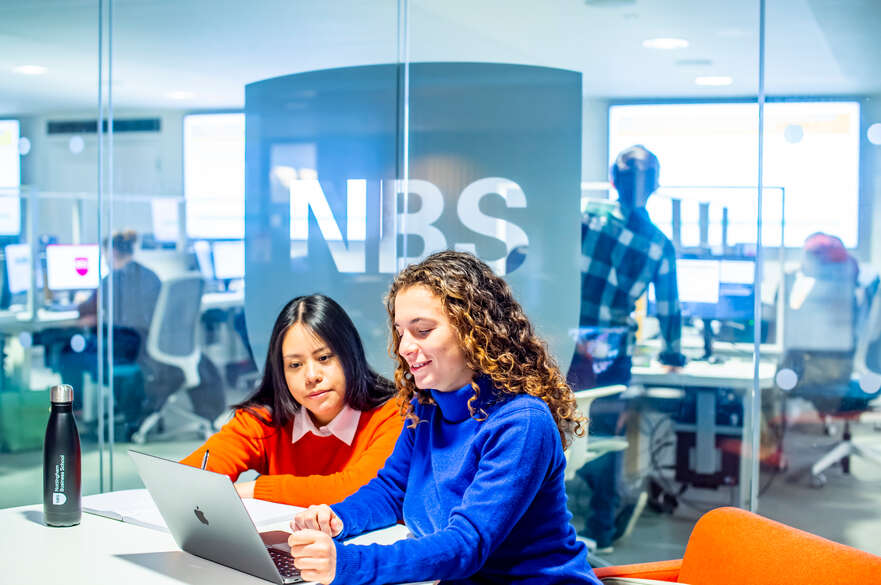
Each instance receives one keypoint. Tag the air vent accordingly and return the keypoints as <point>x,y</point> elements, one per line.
<point>91,126</point>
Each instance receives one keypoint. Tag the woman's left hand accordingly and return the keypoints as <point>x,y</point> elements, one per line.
<point>314,555</point>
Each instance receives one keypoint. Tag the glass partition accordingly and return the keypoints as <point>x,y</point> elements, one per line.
<point>682,197</point>
<point>623,287</point>
<point>821,147</point>
<point>50,258</point>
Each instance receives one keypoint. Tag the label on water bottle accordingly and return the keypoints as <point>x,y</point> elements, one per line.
<point>58,497</point>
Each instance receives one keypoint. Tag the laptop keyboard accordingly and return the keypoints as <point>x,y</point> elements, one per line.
<point>284,562</point>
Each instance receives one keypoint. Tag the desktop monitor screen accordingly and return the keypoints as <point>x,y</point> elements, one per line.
<point>72,267</point>
<point>10,215</point>
<point>229,259</point>
<point>18,267</point>
<point>698,281</point>
<point>736,290</point>
<point>164,213</point>
<point>714,288</point>
<point>202,249</point>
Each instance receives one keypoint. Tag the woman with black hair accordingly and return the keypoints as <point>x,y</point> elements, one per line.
<point>321,423</point>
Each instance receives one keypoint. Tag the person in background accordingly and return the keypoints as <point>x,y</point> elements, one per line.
<point>135,287</point>
<point>477,474</point>
<point>135,290</point>
<point>622,252</point>
<point>826,310</point>
<point>320,424</point>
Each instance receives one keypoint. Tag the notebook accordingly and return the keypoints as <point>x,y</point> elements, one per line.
<point>137,507</point>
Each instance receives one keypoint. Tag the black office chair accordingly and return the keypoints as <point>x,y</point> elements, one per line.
<point>837,368</point>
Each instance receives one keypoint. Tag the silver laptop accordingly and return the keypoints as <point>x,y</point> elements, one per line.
<point>207,518</point>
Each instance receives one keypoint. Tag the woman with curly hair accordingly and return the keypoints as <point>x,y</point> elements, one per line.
<point>477,474</point>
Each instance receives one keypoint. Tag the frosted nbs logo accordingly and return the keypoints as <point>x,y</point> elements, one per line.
<point>350,255</point>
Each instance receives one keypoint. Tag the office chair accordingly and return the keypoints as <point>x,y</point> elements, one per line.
<point>172,341</point>
<point>730,546</point>
<point>829,357</point>
<point>863,388</point>
<point>580,450</point>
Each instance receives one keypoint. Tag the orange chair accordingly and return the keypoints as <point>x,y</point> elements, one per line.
<point>730,546</point>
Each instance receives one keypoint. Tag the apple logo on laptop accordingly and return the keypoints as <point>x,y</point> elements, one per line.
<point>201,516</point>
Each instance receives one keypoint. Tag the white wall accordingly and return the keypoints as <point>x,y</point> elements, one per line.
<point>145,164</point>
<point>595,140</point>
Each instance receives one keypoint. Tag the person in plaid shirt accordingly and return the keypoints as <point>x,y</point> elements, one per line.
<point>622,252</point>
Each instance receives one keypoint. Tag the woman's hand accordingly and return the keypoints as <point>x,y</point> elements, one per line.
<point>246,489</point>
<point>314,554</point>
<point>318,518</point>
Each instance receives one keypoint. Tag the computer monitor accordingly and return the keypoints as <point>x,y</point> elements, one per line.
<point>72,267</point>
<point>202,250</point>
<point>10,215</point>
<point>714,288</point>
<point>229,259</point>
<point>698,282</point>
<point>166,224</point>
<point>18,267</point>
<point>737,290</point>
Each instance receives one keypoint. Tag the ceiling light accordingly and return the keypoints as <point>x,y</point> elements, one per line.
<point>665,43</point>
<point>181,95</point>
<point>30,69</point>
<point>713,80</point>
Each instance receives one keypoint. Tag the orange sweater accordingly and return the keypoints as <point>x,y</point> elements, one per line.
<point>314,470</point>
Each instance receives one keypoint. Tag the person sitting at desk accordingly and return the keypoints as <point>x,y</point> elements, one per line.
<point>622,253</point>
<point>480,483</point>
<point>321,422</point>
<point>823,315</point>
<point>135,292</point>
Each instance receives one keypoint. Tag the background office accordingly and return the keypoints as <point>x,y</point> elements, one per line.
<point>171,60</point>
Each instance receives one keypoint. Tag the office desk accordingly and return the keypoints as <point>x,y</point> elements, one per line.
<point>704,379</point>
<point>15,322</point>
<point>223,300</point>
<point>693,345</point>
<point>103,551</point>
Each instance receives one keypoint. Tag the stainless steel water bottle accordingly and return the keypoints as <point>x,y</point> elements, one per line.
<point>62,464</point>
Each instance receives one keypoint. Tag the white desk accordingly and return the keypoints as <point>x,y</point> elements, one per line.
<point>223,300</point>
<point>694,345</point>
<point>14,322</point>
<point>705,378</point>
<point>103,551</point>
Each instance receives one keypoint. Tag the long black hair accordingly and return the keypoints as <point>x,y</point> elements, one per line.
<point>365,389</point>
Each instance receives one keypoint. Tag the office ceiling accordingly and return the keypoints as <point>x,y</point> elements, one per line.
<point>196,54</point>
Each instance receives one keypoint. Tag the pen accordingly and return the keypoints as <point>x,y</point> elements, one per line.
<point>205,459</point>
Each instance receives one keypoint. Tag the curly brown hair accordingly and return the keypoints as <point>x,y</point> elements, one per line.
<point>496,337</point>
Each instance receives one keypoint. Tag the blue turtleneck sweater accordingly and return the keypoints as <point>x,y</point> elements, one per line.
<point>485,500</point>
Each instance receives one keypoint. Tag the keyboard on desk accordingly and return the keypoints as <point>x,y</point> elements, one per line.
<point>284,562</point>
<point>61,307</point>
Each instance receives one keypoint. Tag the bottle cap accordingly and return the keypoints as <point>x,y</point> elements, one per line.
<point>61,393</point>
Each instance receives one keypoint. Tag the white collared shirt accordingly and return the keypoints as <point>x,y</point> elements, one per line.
<point>343,426</point>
